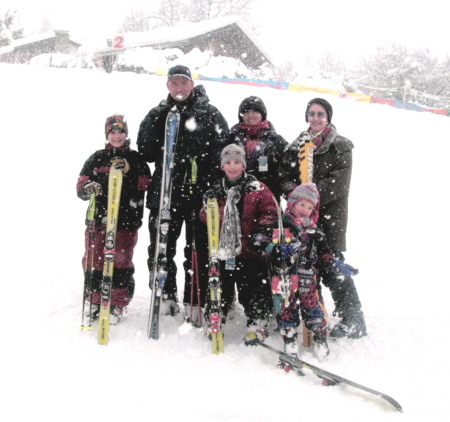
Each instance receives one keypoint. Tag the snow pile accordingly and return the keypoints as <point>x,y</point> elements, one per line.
<point>397,238</point>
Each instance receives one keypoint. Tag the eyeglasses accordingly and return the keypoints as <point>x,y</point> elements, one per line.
<point>320,114</point>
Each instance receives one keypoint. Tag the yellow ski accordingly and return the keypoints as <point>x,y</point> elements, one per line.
<point>215,317</point>
<point>114,191</point>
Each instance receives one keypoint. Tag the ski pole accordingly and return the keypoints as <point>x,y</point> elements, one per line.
<point>89,267</point>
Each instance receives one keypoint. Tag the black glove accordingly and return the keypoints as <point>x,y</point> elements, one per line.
<point>92,188</point>
<point>120,164</point>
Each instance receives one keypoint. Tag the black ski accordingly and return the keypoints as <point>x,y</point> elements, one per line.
<point>159,273</point>
<point>327,377</point>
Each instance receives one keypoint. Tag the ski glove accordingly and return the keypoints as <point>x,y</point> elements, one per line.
<point>289,249</point>
<point>120,164</point>
<point>92,188</point>
<point>260,243</point>
<point>343,269</point>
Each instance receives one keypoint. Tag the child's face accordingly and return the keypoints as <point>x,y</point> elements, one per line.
<point>303,208</point>
<point>233,169</point>
<point>116,138</point>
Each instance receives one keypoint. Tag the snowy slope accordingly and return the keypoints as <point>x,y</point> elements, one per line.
<point>52,120</point>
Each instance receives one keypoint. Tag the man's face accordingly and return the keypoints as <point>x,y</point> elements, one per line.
<point>180,88</point>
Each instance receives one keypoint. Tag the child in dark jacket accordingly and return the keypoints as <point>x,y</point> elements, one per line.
<point>93,181</point>
<point>246,207</point>
<point>304,253</point>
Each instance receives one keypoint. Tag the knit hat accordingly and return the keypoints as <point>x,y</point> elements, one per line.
<point>232,152</point>
<point>116,122</point>
<point>179,70</point>
<point>306,191</point>
<point>324,103</point>
<point>252,103</point>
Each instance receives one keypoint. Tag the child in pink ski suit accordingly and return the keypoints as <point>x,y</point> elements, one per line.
<point>303,253</point>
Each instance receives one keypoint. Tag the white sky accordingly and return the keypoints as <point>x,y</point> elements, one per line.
<point>288,28</point>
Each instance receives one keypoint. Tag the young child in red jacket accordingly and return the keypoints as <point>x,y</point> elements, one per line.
<point>93,181</point>
<point>246,207</point>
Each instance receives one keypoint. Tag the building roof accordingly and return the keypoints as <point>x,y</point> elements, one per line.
<point>170,37</point>
<point>32,39</point>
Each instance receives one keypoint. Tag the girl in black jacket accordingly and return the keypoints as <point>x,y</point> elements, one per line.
<point>93,180</point>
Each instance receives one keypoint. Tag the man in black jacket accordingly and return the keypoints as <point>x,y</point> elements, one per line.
<point>196,166</point>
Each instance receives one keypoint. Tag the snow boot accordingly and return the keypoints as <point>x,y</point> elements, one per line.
<point>192,315</point>
<point>256,333</point>
<point>93,311</point>
<point>352,325</point>
<point>321,349</point>
<point>116,315</point>
<point>348,306</point>
<point>169,304</point>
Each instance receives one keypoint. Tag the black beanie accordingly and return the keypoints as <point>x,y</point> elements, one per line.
<point>252,103</point>
<point>324,103</point>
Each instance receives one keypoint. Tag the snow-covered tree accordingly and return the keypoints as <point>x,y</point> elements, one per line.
<point>8,30</point>
<point>172,12</point>
<point>202,10</point>
<point>331,67</point>
<point>46,25</point>
<point>396,72</point>
<point>136,21</point>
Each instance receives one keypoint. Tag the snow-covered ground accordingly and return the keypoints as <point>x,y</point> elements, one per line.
<point>52,120</point>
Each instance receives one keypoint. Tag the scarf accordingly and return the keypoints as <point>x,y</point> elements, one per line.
<point>320,137</point>
<point>253,133</point>
<point>230,235</point>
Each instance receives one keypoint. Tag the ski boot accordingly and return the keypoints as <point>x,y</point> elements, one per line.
<point>93,311</point>
<point>258,331</point>
<point>169,304</point>
<point>352,325</point>
<point>348,306</point>
<point>192,315</point>
<point>116,315</point>
<point>321,349</point>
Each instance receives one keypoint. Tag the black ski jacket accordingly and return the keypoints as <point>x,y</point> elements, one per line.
<point>200,140</point>
<point>135,184</point>
<point>332,175</point>
<point>270,145</point>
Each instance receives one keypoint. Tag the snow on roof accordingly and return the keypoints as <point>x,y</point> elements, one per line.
<point>28,40</point>
<point>178,33</point>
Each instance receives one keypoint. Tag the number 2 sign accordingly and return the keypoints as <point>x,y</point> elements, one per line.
<point>119,41</point>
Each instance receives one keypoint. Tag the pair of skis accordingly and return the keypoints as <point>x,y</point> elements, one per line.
<point>215,291</point>
<point>160,267</point>
<point>114,192</point>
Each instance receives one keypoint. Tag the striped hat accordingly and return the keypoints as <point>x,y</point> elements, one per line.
<point>306,191</point>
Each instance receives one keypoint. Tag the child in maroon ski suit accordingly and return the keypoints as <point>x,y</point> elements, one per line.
<point>93,181</point>
<point>246,207</point>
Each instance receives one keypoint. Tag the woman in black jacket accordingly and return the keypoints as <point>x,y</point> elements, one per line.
<point>332,174</point>
<point>263,146</point>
